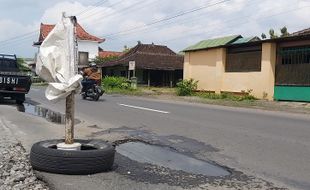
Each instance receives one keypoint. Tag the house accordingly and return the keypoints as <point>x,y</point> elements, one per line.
<point>270,69</point>
<point>88,45</point>
<point>155,65</point>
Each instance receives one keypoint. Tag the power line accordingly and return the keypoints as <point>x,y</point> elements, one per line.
<point>19,37</point>
<point>21,41</point>
<point>190,20</point>
<point>22,36</point>
<point>126,9</point>
<point>119,2</point>
<point>245,22</point>
<point>25,37</point>
<point>233,26</point>
<point>17,40</point>
<point>158,29</point>
<point>167,18</point>
<point>93,6</point>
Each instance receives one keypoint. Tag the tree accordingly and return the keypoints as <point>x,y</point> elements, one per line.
<point>22,65</point>
<point>102,60</point>
<point>272,34</point>
<point>126,49</point>
<point>284,32</point>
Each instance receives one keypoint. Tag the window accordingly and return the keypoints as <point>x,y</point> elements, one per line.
<point>295,55</point>
<point>244,59</point>
<point>83,58</point>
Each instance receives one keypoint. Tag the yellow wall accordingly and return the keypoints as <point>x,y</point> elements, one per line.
<point>201,66</point>
<point>208,67</point>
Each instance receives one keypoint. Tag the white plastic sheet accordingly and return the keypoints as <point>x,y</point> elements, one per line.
<point>55,61</point>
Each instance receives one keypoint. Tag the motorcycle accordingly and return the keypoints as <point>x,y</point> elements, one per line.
<point>94,92</point>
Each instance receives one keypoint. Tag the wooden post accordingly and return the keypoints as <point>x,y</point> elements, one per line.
<point>69,128</point>
<point>149,78</point>
<point>171,79</point>
<point>163,79</point>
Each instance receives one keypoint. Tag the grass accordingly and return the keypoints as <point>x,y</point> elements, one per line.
<point>225,96</point>
<point>158,91</point>
<point>142,91</point>
<point>40,84</point>
<point>131,92</point>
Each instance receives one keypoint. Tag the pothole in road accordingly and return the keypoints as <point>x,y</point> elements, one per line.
<point>166,157</point>
<point>49,115</point>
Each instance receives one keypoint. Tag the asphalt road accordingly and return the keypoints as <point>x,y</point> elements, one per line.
<point>274,146</point>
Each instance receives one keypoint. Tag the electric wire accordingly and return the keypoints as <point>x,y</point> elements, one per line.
<point>167,18</point>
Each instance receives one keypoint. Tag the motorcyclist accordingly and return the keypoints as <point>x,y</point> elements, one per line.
<point>91,76</point>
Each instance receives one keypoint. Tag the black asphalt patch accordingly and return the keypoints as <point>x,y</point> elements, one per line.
<point>154,174</point>
<point>168,158</point>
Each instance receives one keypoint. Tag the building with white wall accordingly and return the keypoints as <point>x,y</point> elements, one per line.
<point>88,45</point>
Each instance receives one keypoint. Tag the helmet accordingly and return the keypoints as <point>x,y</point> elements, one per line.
<point>92,65</point>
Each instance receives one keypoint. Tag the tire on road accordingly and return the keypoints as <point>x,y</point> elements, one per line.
<point>20,99</point>
<point>95,156</point>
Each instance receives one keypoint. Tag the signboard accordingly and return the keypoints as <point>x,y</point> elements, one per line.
<point>132,65</point>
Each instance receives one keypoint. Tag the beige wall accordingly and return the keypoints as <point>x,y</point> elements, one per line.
<point>208,67</point>
<point>202,66</point>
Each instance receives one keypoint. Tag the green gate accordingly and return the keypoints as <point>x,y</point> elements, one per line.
<point>293,74</point>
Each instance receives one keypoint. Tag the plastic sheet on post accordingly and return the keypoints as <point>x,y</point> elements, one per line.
<point>55,61</point>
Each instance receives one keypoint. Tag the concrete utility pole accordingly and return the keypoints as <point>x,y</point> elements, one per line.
<point>70,104</point>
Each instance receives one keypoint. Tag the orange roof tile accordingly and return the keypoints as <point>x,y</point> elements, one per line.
<point>104,54</point>
<point>45,29</point>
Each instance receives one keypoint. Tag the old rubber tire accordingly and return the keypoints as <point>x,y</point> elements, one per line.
<point>19,102</point>
<point>96,156</point>
<point>97,97</point>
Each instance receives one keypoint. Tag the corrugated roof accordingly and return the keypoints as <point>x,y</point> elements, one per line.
<point>246,40</point>
<point>301,32</point>
<point>211,43</point>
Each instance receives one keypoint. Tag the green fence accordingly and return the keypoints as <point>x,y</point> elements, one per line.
<point>292,93</point>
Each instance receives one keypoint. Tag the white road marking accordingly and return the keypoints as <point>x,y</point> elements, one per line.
<point>143,108</point>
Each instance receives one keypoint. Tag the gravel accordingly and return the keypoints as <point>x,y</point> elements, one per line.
<point>15,169</point>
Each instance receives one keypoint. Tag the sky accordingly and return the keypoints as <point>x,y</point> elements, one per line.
<point>174,23</point>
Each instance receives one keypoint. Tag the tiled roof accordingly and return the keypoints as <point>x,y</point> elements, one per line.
<point>212,43</point>
<point>150,56</point>
<point>104,54</point>
<point>45,29</point>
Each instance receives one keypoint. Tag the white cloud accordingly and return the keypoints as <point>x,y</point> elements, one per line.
<point>54,13</point>
<point>246,17</point>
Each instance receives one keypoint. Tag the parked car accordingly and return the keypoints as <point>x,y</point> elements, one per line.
<point>13,83</point>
